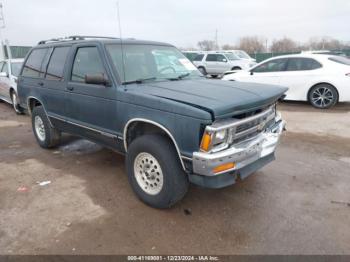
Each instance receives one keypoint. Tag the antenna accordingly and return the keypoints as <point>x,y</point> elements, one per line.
<point>121,40</point>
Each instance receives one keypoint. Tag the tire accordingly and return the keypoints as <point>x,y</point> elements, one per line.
<point>214,76</point>
<point>16,106</point>
<point>236,68</point>
<point>202,70</point>
<point>46,135</point>
<point>164,184</point>
<point>323,96</point>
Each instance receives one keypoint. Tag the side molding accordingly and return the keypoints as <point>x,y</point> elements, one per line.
<point>158,125</point>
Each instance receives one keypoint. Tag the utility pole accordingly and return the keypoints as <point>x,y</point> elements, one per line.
<point>216,39</point>
<point>2,26</point>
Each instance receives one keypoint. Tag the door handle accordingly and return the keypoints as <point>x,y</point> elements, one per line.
<point>41,83</point>
<point>70,88</point>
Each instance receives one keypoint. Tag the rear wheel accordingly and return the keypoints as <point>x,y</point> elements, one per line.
<point>323,96</point>
<point>155,172</point>
<point>46,135</point>
<point>236,68</point>
<point>15,103</point>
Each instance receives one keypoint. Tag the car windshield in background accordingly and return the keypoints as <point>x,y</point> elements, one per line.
<point>231,56</point>
<point>150,63</point>
<point>340,60</point>
<point>242,54</point>
<point>15,68</point>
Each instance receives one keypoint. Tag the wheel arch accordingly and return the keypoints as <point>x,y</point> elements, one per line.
<point>11,90</point>
<point>321,83</point>
<point>146,122</point>
<point>33,102</point>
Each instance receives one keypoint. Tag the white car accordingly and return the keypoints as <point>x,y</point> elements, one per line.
<point>9,70</point>
<point>323,80</point>
<point>215,63</point>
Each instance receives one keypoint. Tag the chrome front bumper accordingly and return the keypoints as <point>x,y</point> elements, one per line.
<point>242,154</point>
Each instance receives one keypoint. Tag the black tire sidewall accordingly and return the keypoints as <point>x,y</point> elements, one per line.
<point>175,181</point>
<point>202,70</point>
<point>333,90</point>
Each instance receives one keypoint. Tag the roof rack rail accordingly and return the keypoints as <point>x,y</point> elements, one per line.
<point>74,38</point>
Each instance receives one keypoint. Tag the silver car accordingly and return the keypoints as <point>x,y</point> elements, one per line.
<point>9,70</point>
<point>218,62</point>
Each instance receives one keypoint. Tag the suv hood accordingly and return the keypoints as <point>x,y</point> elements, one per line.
<point>220,98</point>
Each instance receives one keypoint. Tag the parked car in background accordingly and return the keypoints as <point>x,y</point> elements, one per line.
<point>173,125</point>
<point>215,63</point>
<point>241,54</point>
<point>10,69</point>
<point>323,80</point>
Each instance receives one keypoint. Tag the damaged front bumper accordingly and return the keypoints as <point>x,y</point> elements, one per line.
<point>247,156</point>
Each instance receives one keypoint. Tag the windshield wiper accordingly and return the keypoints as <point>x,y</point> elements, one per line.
<point>139,81</point>
<point>179,77</point>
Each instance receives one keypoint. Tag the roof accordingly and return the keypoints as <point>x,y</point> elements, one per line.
<point>14,60</point>
<point>307,55</point>
<point>103,39</point>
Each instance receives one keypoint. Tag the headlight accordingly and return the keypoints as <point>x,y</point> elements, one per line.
<point>218,140</point>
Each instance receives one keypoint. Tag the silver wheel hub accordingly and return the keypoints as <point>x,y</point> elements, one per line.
<point>39,128</point>
<point>322,96</point>
<point>148,173</point>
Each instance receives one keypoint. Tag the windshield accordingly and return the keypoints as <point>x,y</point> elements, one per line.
<point>231,56</point>
<point>150,62</point>
<point>242,54</point>
<point>15,68</point>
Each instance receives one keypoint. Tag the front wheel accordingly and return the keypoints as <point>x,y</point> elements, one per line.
<point>46,135</point>
<point>202,70</point>
<point>155,172</point>
<point>323,96</point>
<point>15,104</point>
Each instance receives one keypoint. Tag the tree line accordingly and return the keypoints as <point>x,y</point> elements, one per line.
<point>256,44</point>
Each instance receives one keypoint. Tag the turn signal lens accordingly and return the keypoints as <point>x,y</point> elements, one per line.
<point>223,167</point>
<point>206,140</point>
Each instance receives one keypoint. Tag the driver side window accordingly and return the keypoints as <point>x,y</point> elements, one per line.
<point>276,65</point>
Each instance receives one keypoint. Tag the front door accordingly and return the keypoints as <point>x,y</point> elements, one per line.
<point>90,108</point>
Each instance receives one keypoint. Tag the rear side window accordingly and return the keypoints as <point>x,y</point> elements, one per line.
<point>56,65</point>
<point>302,64</point>
<point>87,61</point>
<point>34,64</point>
<point>198,58</point>
<point>340,60</point>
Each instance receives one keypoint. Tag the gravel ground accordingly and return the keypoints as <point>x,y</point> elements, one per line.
<point>299,204</point>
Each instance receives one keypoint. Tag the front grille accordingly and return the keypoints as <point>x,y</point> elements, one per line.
<point>246,128</point>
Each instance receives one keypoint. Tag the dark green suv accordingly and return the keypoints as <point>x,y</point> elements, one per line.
<point>146,100</point>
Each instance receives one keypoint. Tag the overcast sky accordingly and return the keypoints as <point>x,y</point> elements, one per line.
<point>180,22</point>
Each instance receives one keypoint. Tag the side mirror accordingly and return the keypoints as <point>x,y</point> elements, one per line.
<point>251,73</point>
<point>3,74</point>
<point>97,79</point>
